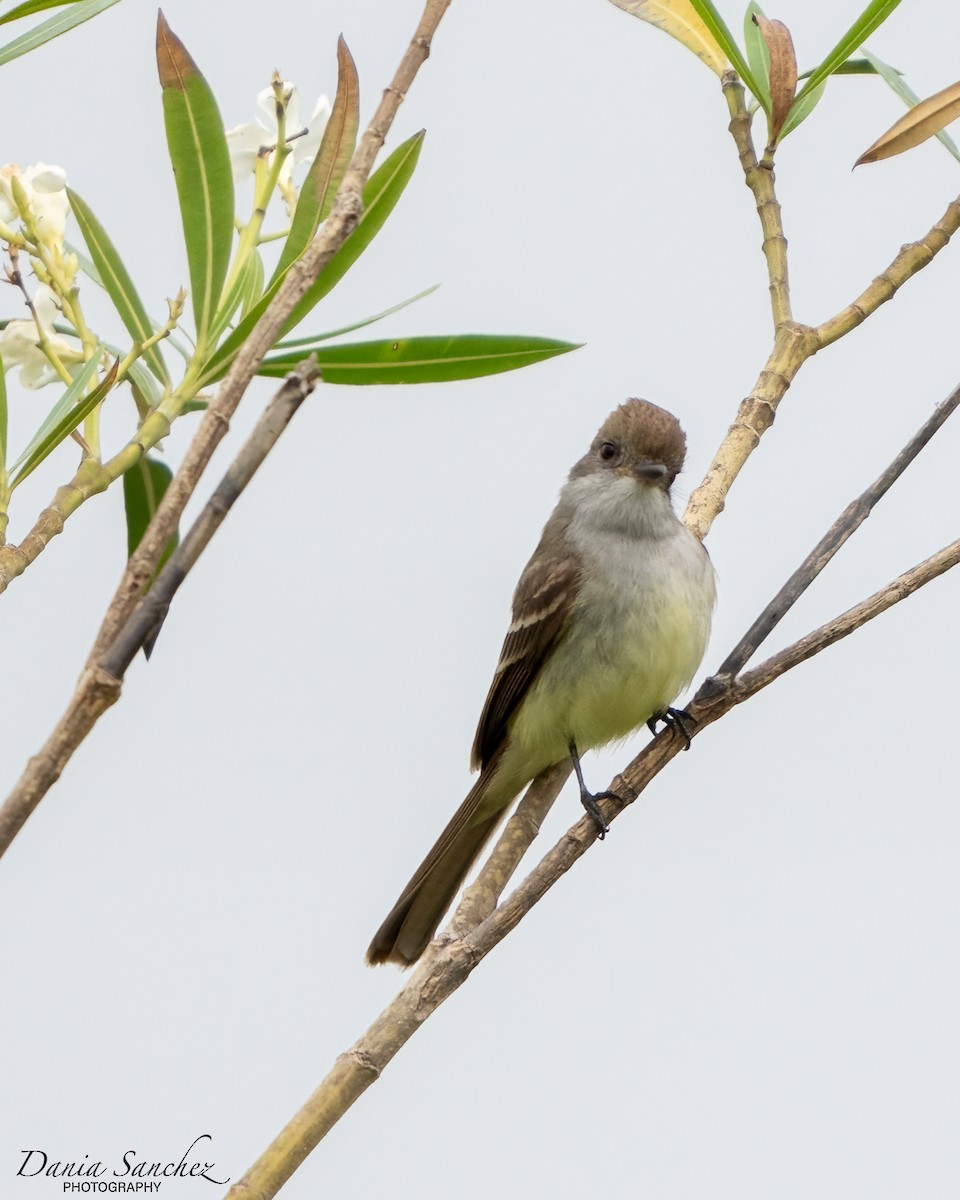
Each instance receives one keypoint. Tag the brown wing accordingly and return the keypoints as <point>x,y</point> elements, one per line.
<point>541,605</point>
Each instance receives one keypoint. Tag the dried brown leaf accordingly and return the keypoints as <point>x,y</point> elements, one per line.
<point>924,120</point>
<point>783,71</point>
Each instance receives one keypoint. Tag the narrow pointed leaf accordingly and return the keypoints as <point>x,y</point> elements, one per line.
<point>679,19</point>
<point>71,397</point>
<point>893,79</point>
<point>384,188</point>
<point>853,66</point>
<point>201,164</point>
<point>117,283</point>
<point>252,288</point>
<point>47,30</point>
<point>758,56</point>
<point>707,11</point>
<point>327,170</point>
<point>29,7</point>
<point>244,282</point>
<point>783,72</point>
<point>313,338</point>
<point>802,108</point>
<point>872,17</point>
<point>71,417</point>
<point>921,122</point>
<point>143,489</point>
<point>423,359</point>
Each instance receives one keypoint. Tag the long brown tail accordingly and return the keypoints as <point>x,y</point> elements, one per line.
<point>413,920</point>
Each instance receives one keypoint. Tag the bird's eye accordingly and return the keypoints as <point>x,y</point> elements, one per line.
<point>607,451</point>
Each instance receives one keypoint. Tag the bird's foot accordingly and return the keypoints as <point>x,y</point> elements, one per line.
<point>673,719</point>
<point>591,802</point>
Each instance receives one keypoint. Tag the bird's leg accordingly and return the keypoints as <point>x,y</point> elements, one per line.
<point>589,799</point>
<point>673,719</point>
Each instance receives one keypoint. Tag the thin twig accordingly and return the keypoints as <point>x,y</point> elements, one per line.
<point>448,964</point>
<point>846,524</point>
<point>100,683</point>
<point>482,896</point>
<point>911,258</point>
<point>343,218</point>
<point>759,178</point>
<point>144,622</point>
<point>794,343</point>
<point>44,769</point>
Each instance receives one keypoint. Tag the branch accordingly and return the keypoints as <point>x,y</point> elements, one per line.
<point>759,179</point>
<point>477,925</point>
<point>794,343</point>
<point>845,525</point>
<point>448,964</point>
<point>335,230</point>
<point>85,708</point>
<point>912,258</point>
<point>842,626</point>
<point>144,623</point>
<point>100,683</point>
<point>482,896</point>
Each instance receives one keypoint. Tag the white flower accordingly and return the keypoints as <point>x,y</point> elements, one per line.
<point>45,189</point>
<point>247,141</point>
<point>19,343</point>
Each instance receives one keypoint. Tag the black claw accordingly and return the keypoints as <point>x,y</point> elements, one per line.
<point>588,799</point>
<point>590,803</point>
<point>673,719</point>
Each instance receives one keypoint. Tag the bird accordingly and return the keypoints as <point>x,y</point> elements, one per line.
<point>610,621</point>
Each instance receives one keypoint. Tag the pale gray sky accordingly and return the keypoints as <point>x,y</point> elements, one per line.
<point>751,988</point>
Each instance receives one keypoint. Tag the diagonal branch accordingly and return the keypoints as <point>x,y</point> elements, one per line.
<point>96,688</point>
<point>793,343</point>
<point>342,220</point>
<point>449,963</point>
<point>100,683</point>
<point>845,525</point>
<point>911,258</point>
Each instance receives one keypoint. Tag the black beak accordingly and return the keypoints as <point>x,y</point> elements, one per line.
<point>650,472</point>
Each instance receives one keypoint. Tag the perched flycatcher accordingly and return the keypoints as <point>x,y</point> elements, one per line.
<point>610,621</point>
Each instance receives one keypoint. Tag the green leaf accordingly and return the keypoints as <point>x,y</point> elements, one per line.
<point>251,282</point>
<point>313,338</point>
<point>802,107</point>
<point>232,299</point>
<point>327,170</point>
<point>118,284</point>
<point>29,7</point>
<point>758,55</point>
<point>143,488</point>
<point>46,31</point>
<point>872,17</point>
<point>423,359</point>
<point>892,77</point>
<point>384,188</point>
<point>69,412</point>
<point>853,66</point>
<point>201,164</point>
<point>724,39</point>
